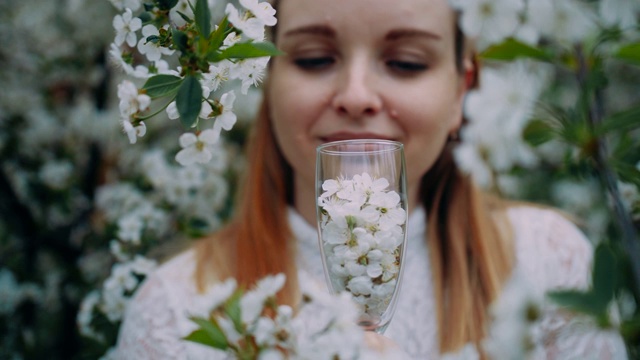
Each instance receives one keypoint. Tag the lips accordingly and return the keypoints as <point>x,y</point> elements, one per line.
<point>351,136</point>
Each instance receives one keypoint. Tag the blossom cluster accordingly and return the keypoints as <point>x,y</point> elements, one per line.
<point>150,38</point>
<point>490,22</point>
<point>363,232</point>
<point>530,53</point>
<point>253,325</point>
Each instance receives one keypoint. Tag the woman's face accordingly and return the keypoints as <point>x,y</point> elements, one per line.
<point>364,69</point>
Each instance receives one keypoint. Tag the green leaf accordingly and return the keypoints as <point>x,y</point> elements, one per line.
<point>203,17</point>
<point>604,275</point>
<point>630,330</point>
<point>185,17</point>
<point>217,37</point>
<point>538,132</point>
<point>622,121</point>
<point>233,310</point>
<point>511,49</point>
<point>180,40</point>
<point>583,302</point>
<point>209,333</point>
<point>166,4</point>
<point>249,50</point>
<point>630,53</point>
<point>189,101</point>
<point>162,85</point>
<point>201,337</point>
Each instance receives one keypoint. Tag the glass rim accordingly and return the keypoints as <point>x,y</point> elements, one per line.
<point>326,147</point>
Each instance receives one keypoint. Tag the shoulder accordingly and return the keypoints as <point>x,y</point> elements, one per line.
<point>157,317</point>
<point>549,248</point>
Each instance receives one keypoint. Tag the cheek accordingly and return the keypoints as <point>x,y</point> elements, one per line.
<point>292,113</point>
<point>427,122</point>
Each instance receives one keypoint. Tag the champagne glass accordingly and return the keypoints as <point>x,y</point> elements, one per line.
<point>362,223</point>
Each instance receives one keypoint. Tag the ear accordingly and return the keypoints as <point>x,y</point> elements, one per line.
<point>468,81</point>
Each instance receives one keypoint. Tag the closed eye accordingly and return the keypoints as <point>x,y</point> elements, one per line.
<point>406,66</point>
<point>314,63</point>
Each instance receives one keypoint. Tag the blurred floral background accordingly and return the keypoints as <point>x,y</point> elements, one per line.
<point>84,214</point>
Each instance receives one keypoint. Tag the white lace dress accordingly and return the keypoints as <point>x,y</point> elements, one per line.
<point>551,253</point>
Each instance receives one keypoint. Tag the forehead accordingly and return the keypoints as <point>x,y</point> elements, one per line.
<point>367,17</point>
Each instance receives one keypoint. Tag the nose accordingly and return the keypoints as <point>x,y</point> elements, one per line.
<point>357,95</point>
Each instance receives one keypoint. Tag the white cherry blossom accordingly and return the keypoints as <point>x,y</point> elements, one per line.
<point>126,26</point>
<point>362,229</point>
<point>196,148</point>
<point>490,21</point>
<point>152,50</point>
<point>131,101</point>
<point>252,27</point>
<point>134,132</point>
<point>249,72</point>
<point>227,117</point>
<point>217,75</point>
<point>261,10</point>
<point>126,4</point>
<point>567,21</point>
<point>621,13</point>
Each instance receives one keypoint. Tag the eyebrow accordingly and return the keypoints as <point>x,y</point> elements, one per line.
<point>409,33</point>
<point>320,30</point>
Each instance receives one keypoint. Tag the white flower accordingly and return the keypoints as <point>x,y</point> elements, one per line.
<point>231,40</point>
<point>121,279</point>
<point>130,229</point>
<point>85,315</point>
<point>131,101</point>
<point>56,174</point>
<point>362,232</point>
<point>566,21</point>
<point>252,27</point>
<point>249,72</point>
<point>387,205</point>
<point>512,326</point>
<point>126,26</point>
<point>261,10</point>
<point>620,13</point>
<point>227,118</point>
<point>501,102</point>
<point>197,149</point>
<point>252,302</point>
<point>468,158</point>
<point>629,194</point>
<point>360,285</point>
<point>113,304</point>
<point>490,21</point>
<point>116,250</point>
<point>172,111</point>
<point>217,74</point>
<point>126,4</point>
<point>134,132</point>
<point>115,53</point>
<point>142,266</point>
<point>152,49</point>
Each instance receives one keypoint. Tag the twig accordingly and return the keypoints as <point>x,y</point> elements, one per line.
<point>608,176</point>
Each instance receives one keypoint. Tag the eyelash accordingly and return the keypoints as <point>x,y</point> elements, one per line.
<point>320,63</point>
<point>406,66</point>
<point>314,63</point>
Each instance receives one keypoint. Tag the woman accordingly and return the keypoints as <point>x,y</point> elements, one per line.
<point>366,69</point>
